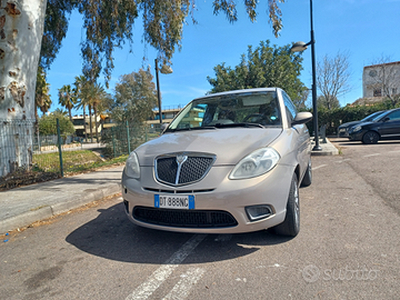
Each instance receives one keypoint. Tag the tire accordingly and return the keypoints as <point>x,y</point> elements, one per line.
<point>370,137</point>
<point>291,224</point>
<point>307,179</point>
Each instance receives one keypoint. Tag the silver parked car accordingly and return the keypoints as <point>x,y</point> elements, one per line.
<point>230,162</point>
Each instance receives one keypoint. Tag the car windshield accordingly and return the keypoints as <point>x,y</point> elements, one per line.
<point>372,117</point>
<point>255,109</point>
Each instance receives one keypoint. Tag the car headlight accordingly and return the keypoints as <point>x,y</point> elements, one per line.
<point>357,128</point>
<point>132,167</point>
<point>255,164</point>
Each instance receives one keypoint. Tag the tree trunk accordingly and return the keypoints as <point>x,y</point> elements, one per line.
<point>84,122</point>
<point>21,31</point>
<point>70,114</point>
<point>90,124</point>
<point>95,122</point>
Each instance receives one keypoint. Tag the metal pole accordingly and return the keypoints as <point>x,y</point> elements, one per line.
<point>317,147</point>
<point>113,141</point>
<point>59,148</point>
<point>129,139</point>
<point>158,92</point>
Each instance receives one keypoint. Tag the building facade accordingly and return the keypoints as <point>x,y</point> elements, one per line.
<point>104,122</point>
<point>381,80</point>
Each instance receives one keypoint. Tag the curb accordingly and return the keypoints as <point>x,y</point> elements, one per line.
<point>327,149</point>
<point>46,212</point>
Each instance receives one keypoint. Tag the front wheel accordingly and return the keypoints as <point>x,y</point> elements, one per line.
<point>291,224</point>
<point>370,137</point>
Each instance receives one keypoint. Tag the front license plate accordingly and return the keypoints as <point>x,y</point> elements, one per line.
<point>175,202</point>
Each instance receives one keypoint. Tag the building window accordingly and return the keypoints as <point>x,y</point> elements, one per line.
<point>377,93</point>
<point>394,91</point>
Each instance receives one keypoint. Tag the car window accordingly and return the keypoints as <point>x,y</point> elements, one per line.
<point>379,117</point>
<point>394,115</point>
<point>229,109</point>
<point>291,110</point>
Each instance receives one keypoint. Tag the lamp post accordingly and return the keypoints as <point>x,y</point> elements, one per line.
<point>301,46</point>
<point>164,70</point>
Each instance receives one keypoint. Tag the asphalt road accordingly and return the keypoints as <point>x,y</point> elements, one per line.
<point>348,247</point>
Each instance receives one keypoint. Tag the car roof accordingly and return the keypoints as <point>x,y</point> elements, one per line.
<point>389,111</point>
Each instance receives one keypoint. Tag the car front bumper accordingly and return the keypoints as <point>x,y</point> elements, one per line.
<point>343,132</point>
<point>215,193</point>
<point>356,136</point>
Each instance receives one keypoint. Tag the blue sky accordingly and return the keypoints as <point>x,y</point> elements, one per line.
<point>364,29</point>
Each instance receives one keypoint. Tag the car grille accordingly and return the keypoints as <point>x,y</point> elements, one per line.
<point>184,218</point>
<point>173,171</point>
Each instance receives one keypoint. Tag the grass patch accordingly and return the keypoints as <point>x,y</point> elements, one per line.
<point>46,167</point>
<point>73,161</point>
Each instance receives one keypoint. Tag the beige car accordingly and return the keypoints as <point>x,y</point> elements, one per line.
<point>230,162</point>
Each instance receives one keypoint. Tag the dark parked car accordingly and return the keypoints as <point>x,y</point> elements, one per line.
<point>385,126</point>
<point>343,130</point>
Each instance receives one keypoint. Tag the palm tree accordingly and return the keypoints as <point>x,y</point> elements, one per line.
<point>96,95</point>
<point>59,112</point>
<point>42,96</point>
<point>66,99</point>
<point>45,104</point>
<point>79,94</point>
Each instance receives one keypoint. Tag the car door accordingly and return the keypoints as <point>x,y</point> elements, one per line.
<point>301,130</point>
<point>390,126</point>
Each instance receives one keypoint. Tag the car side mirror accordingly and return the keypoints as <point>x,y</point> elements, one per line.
<point>386,119</point>
<point>302,118</point>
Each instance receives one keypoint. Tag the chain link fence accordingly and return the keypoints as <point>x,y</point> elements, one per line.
<point>24,152</point>
<point>16,146</point>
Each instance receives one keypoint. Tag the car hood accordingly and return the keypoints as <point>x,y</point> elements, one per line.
<point>364,124</point>
<point>230,145</point>
<point>349,124</point>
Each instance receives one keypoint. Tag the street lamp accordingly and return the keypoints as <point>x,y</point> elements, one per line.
<point>165,69</point>
<point>301,46</point>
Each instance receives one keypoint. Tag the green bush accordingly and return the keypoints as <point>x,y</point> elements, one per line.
<point>48,125</point>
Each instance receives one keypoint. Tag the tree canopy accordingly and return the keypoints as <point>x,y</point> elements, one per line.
<point>135,97</point>
<point>48,124</point>
<point>265,66</point>
<point>109,24</point>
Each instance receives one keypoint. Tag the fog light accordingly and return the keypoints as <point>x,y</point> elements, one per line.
<point>258,212</point>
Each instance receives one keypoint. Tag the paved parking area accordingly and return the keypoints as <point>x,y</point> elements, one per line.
<point>348,247</point>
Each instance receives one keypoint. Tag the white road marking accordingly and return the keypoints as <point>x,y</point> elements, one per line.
<point>162,273</point>
<point>340,161</point>
<point>371,155</point>
<point>182,289</point>
<point>318,167</point>
<point>395,151</point>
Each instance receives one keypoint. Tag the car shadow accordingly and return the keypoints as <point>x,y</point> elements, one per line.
<point>112,236</point>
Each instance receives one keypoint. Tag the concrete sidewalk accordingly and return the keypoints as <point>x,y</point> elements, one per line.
<point>327,148</point>
<point>23,206</point>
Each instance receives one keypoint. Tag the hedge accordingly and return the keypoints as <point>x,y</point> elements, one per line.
<point>335,117</point>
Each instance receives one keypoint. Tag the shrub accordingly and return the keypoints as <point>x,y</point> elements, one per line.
<point>335,117</point>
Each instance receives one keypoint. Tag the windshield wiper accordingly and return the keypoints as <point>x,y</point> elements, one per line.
<point>243,124</point>
<point>190,128</point>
